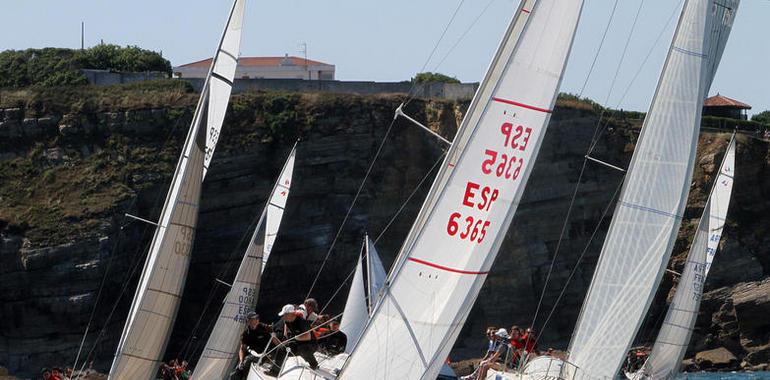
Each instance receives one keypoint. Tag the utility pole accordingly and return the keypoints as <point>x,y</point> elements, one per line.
<point>82,34</point>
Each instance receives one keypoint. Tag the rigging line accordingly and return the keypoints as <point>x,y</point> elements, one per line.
<point>582,255</point>
<point>598,51</point>
<point>594,140</point>
<point>409,198</point>
<point>636,75</point>
<point>167,140</point>
<point>228,268</point>
<point>342,284</point>
<point>463,35</point>
<point>412,93</point>
<point>352,204</point>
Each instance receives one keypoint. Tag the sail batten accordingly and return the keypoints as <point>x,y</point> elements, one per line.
<point>220,353</point>
<point>455,238</point>
<point>156,301</point>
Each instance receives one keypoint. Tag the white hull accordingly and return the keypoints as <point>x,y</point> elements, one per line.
<point>539,368</point>
<point>295,368</point>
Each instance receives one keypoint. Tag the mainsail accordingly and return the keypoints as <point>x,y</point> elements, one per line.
<point>450,248</point>
<point>363,294</point>
<point>674,335</point>
<point>649,211</point>
<point>221,351</point>
<point>157,297</point>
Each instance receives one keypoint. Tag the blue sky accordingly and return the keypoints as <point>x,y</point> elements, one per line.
<point>390,40</point>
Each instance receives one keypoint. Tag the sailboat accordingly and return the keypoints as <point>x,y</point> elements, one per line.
<point>649,210</point>
<point>452,244</point>
<point>363,294</point>
<point>156,301</point>
<point>221,351</point>
<point>671,343</point>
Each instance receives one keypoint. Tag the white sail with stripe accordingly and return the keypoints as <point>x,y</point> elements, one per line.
<point>649,210</point>
<point>156,301</point>
<point>670,346</point>
<point>455,238</point>
<point>221,351</point>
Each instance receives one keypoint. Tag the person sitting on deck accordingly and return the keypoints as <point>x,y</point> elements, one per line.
<point>517,346</point>
<point>45,373</point>
<point>255,338</point>
<point>331,339</point>
<point>500,343</point>
<point>491,343</point>
<point>309,308</point>
<point>530,342</point>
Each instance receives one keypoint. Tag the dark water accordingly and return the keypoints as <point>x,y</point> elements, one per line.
<point>725,376</point>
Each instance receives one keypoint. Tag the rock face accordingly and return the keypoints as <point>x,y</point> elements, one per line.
<point>67,179</point>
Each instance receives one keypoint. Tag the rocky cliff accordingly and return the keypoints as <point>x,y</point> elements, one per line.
<point>72,163</point>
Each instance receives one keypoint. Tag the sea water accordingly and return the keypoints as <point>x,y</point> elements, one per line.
<point>725,376</point>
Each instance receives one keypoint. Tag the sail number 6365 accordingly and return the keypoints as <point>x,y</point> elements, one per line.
<point>468,228</point>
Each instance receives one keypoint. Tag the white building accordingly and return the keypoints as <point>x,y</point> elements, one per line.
<point>285,67</point>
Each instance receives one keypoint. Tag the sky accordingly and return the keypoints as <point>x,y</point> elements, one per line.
<point>391,40</point>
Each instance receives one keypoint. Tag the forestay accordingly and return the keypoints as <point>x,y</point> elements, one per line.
<point>221,351</point>
<point>670,346</point>
<point>649,210</point>
<point>450,248</point>
<point>157,297</point>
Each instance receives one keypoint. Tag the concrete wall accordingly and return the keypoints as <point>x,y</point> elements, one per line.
<point>430,90</point>
<point>106,77</point>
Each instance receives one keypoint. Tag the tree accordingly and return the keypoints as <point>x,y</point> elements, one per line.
<point>428,76</point>
<point>762,117</point>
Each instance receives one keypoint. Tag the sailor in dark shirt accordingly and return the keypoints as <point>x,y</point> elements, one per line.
<point>297,329</point>
<point>255,338</point>
<point>332,340</point>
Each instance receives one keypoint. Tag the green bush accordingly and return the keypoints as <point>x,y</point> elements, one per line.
<point>427,77</point>
<point>762,117</point>
<point>61,67</point>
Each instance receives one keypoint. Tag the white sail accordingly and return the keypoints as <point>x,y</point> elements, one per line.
<point>221,351</point>
<point>723,15</point>
<point>450,248</point>
<point>220,80</point>
<point>156,301</point>
<point>670,346</point>
<point>356,314</point>
<point>376,274</point>
<point>363,294</point>
<point>649,211</point>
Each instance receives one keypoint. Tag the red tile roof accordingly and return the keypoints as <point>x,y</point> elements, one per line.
<point>259,61</point>
<point>723,101</point>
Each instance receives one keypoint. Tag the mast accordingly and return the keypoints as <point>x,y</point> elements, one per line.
<point>156,301</point>
<point>649,211</point>
<point>221,350</point>
<point>671,344</point>
<point>455,238</point>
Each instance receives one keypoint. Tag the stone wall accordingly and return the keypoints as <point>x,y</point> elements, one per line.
<point>453,91</point>
<point>107,77</point>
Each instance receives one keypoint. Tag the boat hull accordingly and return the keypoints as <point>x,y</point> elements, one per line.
<point>296,368</point>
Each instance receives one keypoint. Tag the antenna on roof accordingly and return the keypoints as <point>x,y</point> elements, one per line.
<point>303,50</point>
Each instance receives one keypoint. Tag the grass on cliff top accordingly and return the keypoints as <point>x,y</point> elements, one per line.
<point>43,101</point>
<point>54,202</point>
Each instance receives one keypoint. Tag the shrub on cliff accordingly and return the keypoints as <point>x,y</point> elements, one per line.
<point>428,77</point>
<point>61,67</point>
<point>762,117</point>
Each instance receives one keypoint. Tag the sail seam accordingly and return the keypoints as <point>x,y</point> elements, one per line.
<point>522,105</point>
<point>139,357</point>
<point>163,292</point>
<point>227,53</point>
<point>650,209</point>
<point>689,52</point>
<point>444,268</point>
<point>222,78</point>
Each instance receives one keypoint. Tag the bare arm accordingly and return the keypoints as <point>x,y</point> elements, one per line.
<point>242,353</point>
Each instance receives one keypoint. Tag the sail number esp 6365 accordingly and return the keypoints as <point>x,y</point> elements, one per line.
<point>505,165</point>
